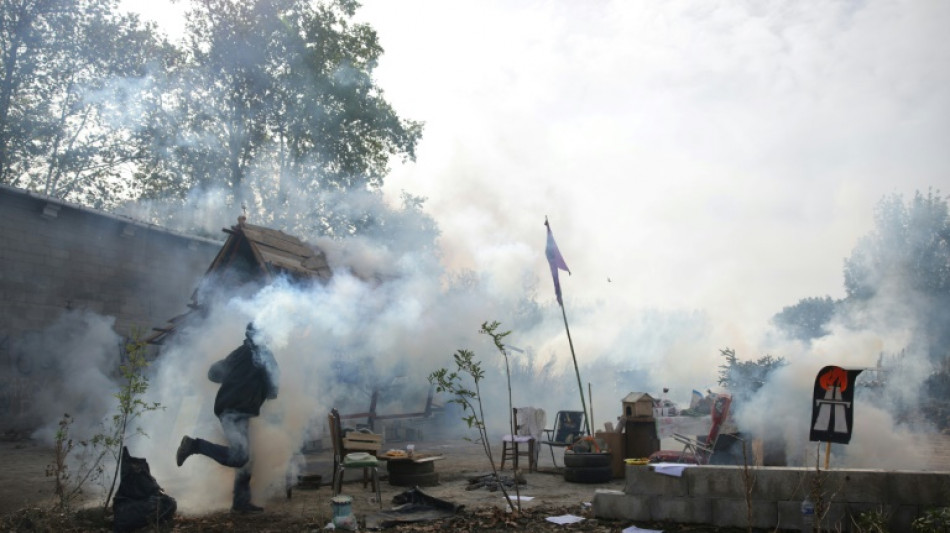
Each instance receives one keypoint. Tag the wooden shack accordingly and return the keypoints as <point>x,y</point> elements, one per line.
<point>254,255</point>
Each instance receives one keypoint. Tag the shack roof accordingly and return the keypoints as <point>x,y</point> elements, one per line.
<point>635,397</point>
<point>273,253</point>
<point>256,254</point>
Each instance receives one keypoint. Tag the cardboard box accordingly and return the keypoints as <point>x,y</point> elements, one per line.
<point>614,441</point>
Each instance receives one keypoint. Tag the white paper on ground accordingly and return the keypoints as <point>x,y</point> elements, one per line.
<point>635,529</point>
<point>565,519</point>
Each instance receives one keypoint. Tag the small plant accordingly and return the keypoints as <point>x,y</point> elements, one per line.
<point>491,329</point>
<point>471,403</point>
<point>68,484</point>
<point>59,469</point>
<point>874,521</point>
<point>89,458</point>
<point>130,404</point>
<point>933,521</point>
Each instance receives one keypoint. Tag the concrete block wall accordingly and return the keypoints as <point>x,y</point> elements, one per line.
<point>56,256</point>
<point>716,495</point>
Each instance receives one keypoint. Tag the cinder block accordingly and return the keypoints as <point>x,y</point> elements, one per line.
<point>735,513</point>
<point>778,483</point>
<point>927,489</point>
<point>621,506</point>
<point>644,481</point>
<point>789,515</point>
<point>682,509</point>
<point>714,482</point>
<point>835,518</point>
<point>855,485</point>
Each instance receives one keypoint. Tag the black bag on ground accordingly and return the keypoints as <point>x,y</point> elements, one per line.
<point>140,501</point>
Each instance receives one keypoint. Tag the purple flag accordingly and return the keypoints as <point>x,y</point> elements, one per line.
<point>556,261</point>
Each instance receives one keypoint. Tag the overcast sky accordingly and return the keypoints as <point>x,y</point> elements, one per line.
<point>722,157</point>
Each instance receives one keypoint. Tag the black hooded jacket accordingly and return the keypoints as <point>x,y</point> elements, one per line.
<point>248,376</point>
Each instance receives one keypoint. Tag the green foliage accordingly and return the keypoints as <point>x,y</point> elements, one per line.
<point>744,378</point>
<point>906,258</point>
<point>470,399</point>
<point>909,247</point>
<point>275,102</point>
<point>130,405</point>
<point>807,319</point>
<point>873,521</point>
<point>272,101</point>
<point>933,521</point>
<point>59,469</point>
<point>70,70</point>
<point>89,458</point>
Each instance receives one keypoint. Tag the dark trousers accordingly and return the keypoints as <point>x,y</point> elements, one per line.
<point>236,454</point>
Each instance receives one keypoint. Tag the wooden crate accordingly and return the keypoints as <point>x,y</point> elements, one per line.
<point>356,441</point>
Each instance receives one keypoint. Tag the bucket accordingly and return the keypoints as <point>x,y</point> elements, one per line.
<point>342,513</point>
<point>341,506</point>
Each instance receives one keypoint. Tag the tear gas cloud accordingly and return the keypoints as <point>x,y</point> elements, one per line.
<point>74,361</point>
<point>389,322</point>
<point>404,297</point>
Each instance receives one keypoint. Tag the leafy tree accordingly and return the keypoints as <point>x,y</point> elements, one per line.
<point>907,258</point>
<point>910,246</point>
<point>807,319</point>
<point>276,103</point>
<point>69,72</point>
<point>744,378</point>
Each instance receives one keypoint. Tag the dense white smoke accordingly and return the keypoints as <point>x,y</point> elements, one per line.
<point>391,315</point>
<point>73,364</point>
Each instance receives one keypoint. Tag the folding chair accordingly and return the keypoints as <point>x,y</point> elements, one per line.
<point>695,451</point>
<point>524,443</point>
<point>568,427</point>
<point>343,459</point>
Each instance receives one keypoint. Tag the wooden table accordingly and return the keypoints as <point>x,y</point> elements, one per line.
<point>415,470</point>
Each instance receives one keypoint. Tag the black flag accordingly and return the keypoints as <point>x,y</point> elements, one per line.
<point>832,410</point>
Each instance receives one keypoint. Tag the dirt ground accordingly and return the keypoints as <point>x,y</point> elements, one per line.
<point>24,485</point>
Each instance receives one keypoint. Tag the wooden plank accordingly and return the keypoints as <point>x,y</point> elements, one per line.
<point>277,239</point>
<point>428,459</point>
<point>360,446</point>
<point>361,436</point>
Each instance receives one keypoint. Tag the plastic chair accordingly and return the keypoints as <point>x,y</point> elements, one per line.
<point>343,459</point>
<point>695,451</point>
<point>568,427</point>
<point>511,445</point>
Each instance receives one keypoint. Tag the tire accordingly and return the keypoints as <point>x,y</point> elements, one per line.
<point>429,479</point>
<point>594,474</point>
<point>586,460</point>
<point>396,468</point>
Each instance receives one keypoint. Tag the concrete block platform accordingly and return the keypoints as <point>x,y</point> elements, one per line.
<point>770,497</point>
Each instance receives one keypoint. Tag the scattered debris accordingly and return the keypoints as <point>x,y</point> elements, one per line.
<point>413,506</point>
<point>493,482</point>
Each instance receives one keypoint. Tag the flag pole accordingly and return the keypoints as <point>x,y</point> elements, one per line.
<point>580,386</point>
<point>556,262</point>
